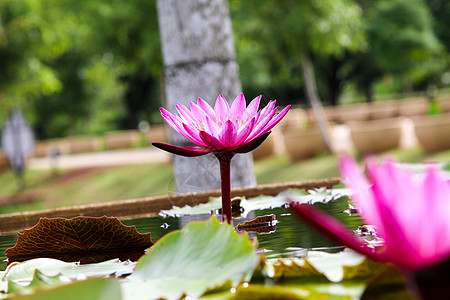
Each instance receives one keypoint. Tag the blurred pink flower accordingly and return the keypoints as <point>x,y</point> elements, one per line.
<point>237,129</point>
<point>410,211</point>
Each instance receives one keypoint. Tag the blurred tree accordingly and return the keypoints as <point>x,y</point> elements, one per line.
<point>24,76</point>
<point>91,66</point>
<point>346,42</point>
<point>80,66</point>
<point>400,41</point>
<point>129,37</point>
<point>283,34</point>
<point>297,29</point>
<point>440,11</point>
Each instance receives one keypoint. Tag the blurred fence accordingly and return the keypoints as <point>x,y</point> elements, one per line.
<point>363,128</point>
<point>366,128</point>
<point>127,139</point>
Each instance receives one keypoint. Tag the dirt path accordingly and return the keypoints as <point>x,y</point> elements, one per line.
<point>101,159</point>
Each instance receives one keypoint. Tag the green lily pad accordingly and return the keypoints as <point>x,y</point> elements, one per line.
<point>202,257</point>
<point>387,283</point>
<point>33,275</point>
<point>39,279</point>
<point>91,289</point>
<point>260,202</point>
<point>301,291</point>
<point>24,271</point>
<point>344,265</point>
<point>308,291</point>
<point>258,291</point>
<point>320,275</point>
<point>200,209</point>
<point>320,266</point>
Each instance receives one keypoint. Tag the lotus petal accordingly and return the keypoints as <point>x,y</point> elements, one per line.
<point>183,151</point>
<point>224,128</point>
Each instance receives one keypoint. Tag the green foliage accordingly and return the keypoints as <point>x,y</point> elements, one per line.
<point>95,289</point>
<point>78,67</point>
<point>401,42</point>
<point>414,40</point>
<point>271,37</point>
<point>72,64</point>
<point>23,73</point>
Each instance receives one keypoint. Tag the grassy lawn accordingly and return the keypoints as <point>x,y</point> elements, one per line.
<point>45,189</point>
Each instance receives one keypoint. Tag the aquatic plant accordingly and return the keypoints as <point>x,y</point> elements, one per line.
<point>223,131</point>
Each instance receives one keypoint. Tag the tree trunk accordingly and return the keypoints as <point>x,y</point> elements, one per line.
<point>314,100</point>
<point>369,93</point>
<point>334,82</point>
<point>199,60</point>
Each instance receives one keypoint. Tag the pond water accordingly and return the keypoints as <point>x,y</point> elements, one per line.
<point>292,237</point>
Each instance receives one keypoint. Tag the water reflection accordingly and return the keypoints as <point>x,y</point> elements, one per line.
<point>6,241</point>
<point>291,237</point>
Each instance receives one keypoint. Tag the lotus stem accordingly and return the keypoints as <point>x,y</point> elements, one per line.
<point>225,171</point>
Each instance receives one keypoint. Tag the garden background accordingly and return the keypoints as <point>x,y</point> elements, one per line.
<point>87,74</point>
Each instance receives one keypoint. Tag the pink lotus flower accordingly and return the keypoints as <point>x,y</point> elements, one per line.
<point>411,212</point>
<point>223,131</point>
<point>237,129</point>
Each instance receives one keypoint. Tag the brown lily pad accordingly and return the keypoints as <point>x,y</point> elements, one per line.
<point>83,239</point>
<point>261,225</point>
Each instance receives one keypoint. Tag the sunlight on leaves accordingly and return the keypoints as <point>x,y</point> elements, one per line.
<point>260,202</point>
<point>322,266</point>
<point>23,272</point>
<point>39,279</point>
<point>92,289</point>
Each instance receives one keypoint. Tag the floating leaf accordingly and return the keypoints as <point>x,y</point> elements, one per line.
<point>39,279</point>
<point>23,272</point>
<point>204,208</point>
<point>319,275</point>
<point>241,204</point>
<point>261,225</point>
<point>387,283</point>
<point>294,268</point>
<point>201,257</point>
<point>83,239</point>
<point>322,266</point>
<point>302,291</point>
<point>260,202</point>
<point>343,265</point>
<point>92,289</point>
<point>258,291</point>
